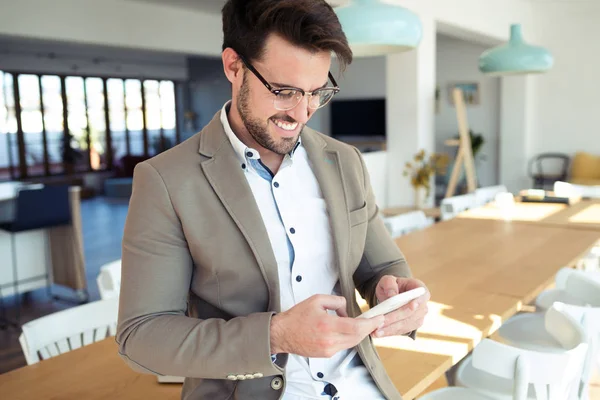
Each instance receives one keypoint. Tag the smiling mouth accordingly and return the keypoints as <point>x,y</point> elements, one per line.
<point>286,126</point>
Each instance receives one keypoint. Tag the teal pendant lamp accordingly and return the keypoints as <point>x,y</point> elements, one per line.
<point>515,57</point>
<point>374,28</point>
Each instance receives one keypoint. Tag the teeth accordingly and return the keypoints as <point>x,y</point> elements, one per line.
<point>285,125</point>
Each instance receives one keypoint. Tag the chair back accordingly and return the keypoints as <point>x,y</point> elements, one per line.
<point>40,207</point>
<point>109,280</point>
<point>582,285</point>
<point>589,319</point>
<point>487,194</point>
<point>402,224</point>
<point>547,168</point>
<point>69,329</point>
<point>452,206</point>
<point>553,375</point>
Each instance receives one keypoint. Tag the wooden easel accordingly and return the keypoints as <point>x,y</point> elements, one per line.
<point>465,153</point>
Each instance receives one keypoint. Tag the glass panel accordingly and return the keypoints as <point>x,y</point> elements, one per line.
<point>116,108</point>
<point>167,109</point>
<point>31,121</point>
<point>4,136</point>
<point>153,119</point>
<point>135,117</point>
<point>53,119</point>
<point>11,123</point>
<point>97,120</point>
<point>78,156</point>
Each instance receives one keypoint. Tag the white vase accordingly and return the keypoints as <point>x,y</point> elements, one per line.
<point>420,198</point>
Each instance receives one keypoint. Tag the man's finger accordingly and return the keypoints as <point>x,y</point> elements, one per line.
<point>329,302</point>
<point>388,287</point>
<point>359,326</point>
<point>405,325</point>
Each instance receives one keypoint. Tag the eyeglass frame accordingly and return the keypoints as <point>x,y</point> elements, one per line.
<point>335,87</point>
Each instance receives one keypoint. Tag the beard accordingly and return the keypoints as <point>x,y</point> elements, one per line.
<point>259,130</point>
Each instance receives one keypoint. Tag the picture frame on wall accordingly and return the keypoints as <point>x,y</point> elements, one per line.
<point>471,92</point>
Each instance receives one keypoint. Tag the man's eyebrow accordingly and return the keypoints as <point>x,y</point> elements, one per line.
<point>283,85</point>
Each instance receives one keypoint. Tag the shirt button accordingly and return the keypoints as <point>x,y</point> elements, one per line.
<point>292,231</point>
<point>276,184</point>
<point>320,375</point>
<point>299,279</point>
<point>243,166</point>
<point>250,154</point>
<point>276,383</point>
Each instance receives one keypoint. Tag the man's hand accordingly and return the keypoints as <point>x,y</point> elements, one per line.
<point>308,330</point>
<point>408,317</point>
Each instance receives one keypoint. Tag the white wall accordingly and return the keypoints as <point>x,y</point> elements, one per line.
<point>566,114</point>
<point>376,163</point>
<point>113,23</point>
<point>457,61</point>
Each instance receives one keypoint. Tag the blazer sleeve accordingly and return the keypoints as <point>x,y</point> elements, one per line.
<point>154,334</point>
<point>381,255</point>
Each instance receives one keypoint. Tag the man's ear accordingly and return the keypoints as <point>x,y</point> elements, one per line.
<point>232,65</point>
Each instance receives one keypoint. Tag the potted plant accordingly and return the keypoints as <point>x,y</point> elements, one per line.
<point>420,172</point>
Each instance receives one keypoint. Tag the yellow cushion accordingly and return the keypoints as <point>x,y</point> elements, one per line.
<point>585,166</point>
<point>585,181</point>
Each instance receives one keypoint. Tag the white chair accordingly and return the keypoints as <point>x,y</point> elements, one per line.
<point>487,194</point>
<point>402,224</point>
<point>565,189</point>
<point>500,371</point>
<point>452,206</point>
<point>69,329</point>
<point>573,287</point>
<point>109,280</point>
<point>583,292</point>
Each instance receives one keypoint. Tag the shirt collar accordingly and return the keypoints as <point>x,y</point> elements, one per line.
<point>243,152</point>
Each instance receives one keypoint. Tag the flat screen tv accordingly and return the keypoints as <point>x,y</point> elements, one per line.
<point>352,118</point>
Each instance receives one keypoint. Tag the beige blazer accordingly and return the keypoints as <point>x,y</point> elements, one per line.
<point>200,282</point>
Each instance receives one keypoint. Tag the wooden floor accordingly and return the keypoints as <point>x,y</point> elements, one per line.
<point>103,221</point>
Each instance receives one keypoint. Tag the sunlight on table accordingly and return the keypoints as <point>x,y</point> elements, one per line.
<point>443,335</point>
<point>516,212</point>
<point>589,215</point>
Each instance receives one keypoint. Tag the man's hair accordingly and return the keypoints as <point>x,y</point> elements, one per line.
<point>309,24</point>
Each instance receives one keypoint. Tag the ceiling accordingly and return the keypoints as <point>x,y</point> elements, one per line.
<point>211,6</point>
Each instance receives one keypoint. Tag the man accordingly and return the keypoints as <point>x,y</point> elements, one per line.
<point>244,245</point>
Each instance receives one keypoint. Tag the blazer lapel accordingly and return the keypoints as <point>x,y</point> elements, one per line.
<point>225,175</point>
<point>327,169</point>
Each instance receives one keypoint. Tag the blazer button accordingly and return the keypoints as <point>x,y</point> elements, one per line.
<point>276,383</point>
<point>249,376</point>
<point>232,377</point>
<point>241,377</point>
<point>258,375</point>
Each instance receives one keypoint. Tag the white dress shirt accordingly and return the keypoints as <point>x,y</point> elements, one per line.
<point>296,219</point>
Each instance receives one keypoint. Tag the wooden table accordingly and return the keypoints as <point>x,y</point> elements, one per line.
<point>584,214</point>
<point>92,372</point>
<point>433,212</point>
<point>480,272</point>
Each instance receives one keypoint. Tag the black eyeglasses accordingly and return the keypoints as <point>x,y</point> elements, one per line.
<point>286,98</point>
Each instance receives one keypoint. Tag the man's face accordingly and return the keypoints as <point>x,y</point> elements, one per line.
<point>283,65</point>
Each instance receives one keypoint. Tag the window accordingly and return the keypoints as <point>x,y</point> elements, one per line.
<point>52,124</point>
